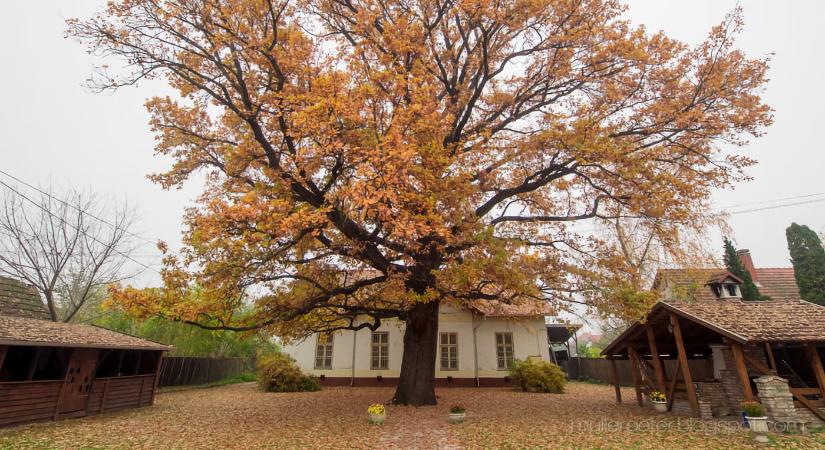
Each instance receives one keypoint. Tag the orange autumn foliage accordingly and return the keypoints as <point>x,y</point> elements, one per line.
<point>366,156</point>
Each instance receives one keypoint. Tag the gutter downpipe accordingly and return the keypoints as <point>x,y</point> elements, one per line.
<point>475,347</point>
<point>352,378</point>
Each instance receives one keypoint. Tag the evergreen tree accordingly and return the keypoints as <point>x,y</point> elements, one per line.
<point>808,258</point>
<point>735,266</point>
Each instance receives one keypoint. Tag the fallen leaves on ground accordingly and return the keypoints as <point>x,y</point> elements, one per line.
<point>241,417</point>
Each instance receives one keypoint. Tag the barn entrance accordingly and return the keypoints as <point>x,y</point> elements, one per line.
<point>75,393</point>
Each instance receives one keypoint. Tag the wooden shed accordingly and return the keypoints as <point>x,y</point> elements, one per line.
<point>51,370</point>
<point>702,319</point>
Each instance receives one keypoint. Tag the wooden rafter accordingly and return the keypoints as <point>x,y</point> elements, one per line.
<point>658,368</point>
<point>634,372</point>
<point>742,370</point>
<point>816,366</point>
<point>672,388</point>
<point>769,354</point>
<point>680,346</point>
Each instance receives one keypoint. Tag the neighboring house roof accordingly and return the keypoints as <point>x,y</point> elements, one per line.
<point>35,332</point>
<point>778,283</point>
<point>21,300</point>
<point>494,308</point>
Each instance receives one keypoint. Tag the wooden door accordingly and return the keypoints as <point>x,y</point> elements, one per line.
<point>75,393</point>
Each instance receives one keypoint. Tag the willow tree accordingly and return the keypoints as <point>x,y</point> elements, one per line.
<point>368,160</point>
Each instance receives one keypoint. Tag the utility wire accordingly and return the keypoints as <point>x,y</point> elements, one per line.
<point>41,207</point>
<point>3,172</point>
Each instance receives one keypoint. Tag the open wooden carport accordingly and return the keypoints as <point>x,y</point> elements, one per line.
<point>770,337</point>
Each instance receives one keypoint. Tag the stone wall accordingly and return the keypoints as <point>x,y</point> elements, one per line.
<point>776,398</point>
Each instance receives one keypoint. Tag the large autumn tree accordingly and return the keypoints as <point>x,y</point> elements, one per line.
<point>369,160</point>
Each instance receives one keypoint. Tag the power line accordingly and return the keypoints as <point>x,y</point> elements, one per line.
<point>762,202</point>
<point>72,206</point>
<point>41,207</point>
<point>765,208</point>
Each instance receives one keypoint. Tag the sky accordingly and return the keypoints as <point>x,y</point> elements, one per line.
<point>57,131</point>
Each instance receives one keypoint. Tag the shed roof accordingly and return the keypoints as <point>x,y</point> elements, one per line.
<point>35,332</point>
<point>21,300</point>
<point>760,321</point>
<point>561,332</point>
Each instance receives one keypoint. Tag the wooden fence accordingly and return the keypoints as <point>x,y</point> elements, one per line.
<point>599,369</point>
<point>182,371</point>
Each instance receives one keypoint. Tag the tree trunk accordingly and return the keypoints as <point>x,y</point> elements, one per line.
<point>416,384</point>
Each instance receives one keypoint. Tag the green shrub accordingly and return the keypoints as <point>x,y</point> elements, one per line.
<point>538,376</point>
<point>278,373</point>
<point>753,409</point>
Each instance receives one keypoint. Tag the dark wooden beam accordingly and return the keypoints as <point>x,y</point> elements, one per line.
<point>680,346</point>
<point>658,368</point>
<point>769,355</point>
<point>33,364</point>
<point>763,369</point>
<point>634,372</point>
<point>741,370</point>
<point>615,375</point>
<point>672,388</point>
<point>816,365</point>
<point>3,350</point>
<point>137,363</point>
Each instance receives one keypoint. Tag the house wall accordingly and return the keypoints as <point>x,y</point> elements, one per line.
<point>529,340</point>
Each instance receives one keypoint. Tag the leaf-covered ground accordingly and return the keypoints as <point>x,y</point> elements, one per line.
<point>239,416</point>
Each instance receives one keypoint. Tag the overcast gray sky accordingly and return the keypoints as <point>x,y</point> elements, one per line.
<point>53,129</point>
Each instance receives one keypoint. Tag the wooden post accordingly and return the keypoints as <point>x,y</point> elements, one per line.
<point>742,370</point>
<point>771,360</point>
<point>683,360</point>
<point>157,376</point>
<point>654,355</point>
<point>3,350</point>
<point>615,375</point>
<point>634,372</point>
<point>33,364</point>
<point>816,365</point>
<point>137,364</point>
<point>105,393</point>
<point>672,389</point>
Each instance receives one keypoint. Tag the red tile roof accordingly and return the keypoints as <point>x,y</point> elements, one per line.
<point>777,283</point>
<point>34,332</point>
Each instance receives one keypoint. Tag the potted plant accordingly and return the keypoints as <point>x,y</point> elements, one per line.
<point>659,401</point>
<point>755,417</point>
<point>377,413</point>
<point>457,412</point>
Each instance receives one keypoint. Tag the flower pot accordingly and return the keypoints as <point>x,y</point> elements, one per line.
<point>378,418</point>
<point>456,417</point>
<point>660,407</point>
<point>758,424</point>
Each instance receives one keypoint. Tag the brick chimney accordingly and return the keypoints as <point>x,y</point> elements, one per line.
<point>747,261</point>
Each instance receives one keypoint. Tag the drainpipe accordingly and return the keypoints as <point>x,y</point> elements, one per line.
<point>352,379</point>
<point>475,347</point>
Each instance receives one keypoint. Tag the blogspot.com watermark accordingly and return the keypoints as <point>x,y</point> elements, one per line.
<point>681,425</point>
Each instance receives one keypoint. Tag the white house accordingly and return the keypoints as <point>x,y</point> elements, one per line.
<point>476,347</point>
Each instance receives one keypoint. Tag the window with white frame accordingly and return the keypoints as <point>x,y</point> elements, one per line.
<point>323,351</point>
<point>449,351</point>
<point>380,355</point>
<point>504,350</point>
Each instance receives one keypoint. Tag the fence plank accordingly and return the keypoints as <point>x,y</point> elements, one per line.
<point>598,369</point>
<point>184,370</point>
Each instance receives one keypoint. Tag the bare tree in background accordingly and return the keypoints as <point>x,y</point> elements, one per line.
<point>69,246</point>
